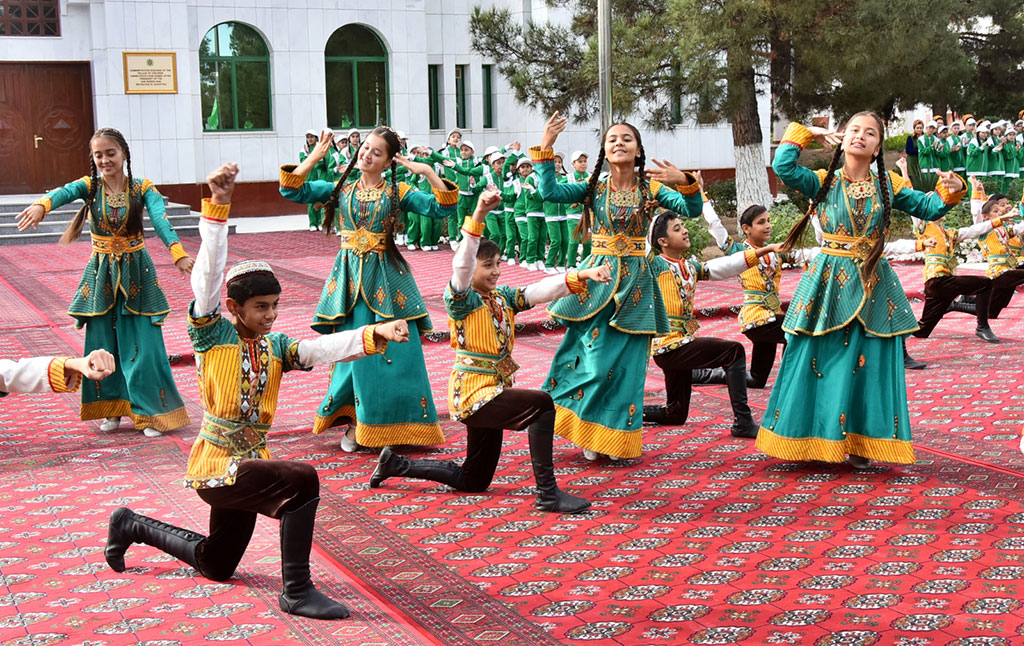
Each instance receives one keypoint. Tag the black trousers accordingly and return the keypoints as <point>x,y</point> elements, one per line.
<point>678,365</point>
<point>1003,288</point>
<point>268,487</point>
<point>939,292</point>
<point>762,356</point>
<point>513,409</point>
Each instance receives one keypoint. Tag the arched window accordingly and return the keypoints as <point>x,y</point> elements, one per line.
<point>234,79</point>
<point>356,65</point>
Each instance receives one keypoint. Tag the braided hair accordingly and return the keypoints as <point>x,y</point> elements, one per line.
<point>391,222</point>
<point>582,230</point>
<point>133,223</point>
<point>868,268</point>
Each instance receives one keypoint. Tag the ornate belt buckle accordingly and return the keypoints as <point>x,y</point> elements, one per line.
<point>363,241</point>
<point>506,367</point>
<point>772,302</point>
<point>691,326</point>
<point>118,245</point>
<point>619,245</point>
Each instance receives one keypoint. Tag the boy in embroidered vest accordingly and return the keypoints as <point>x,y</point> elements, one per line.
<point>53,374</point>
<point>941,284</point>
<point>240,367</point>
<point>481,318</point>
<point>1002,249</point>
<point>679,353</point>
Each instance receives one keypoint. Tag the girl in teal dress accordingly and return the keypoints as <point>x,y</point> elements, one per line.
<point>119,300</point>
<point>841,389</point>
<point>388,396</point>
<point>597,375</point>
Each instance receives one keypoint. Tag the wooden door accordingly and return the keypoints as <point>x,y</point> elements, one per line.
<point>46,120</point>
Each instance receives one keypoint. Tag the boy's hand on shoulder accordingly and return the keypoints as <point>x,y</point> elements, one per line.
<point>600,274</point>
<point>396,331</point>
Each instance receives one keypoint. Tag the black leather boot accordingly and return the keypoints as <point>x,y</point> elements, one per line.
<point>909,362</point>
<point>987,334</point>
<point>298,595</point>
<point>549,496</point>
<point>743,424</point>
<point>127,527</point>
<point>654,414</point>
<point>707,376</point>
<point>392,464</point>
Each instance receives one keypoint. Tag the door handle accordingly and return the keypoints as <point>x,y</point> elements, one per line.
<point>38,139</point>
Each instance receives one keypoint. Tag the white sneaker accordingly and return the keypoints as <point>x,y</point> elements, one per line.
<point>511,262</point>
<point>563,270</point>
<point>151,432</point>
<point>313,229</point>
<point>110,424</point>
<point>591,455</point>
<point>349,445</point>
<point>550,271</point>
<point>411,247</point>
<point>433,247</point>
<point>504,256</point>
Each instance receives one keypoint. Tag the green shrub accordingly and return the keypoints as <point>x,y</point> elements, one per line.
<point>723,195</point>
<point>784,216</point>
<point>896,143</point>
<point>700,237</point>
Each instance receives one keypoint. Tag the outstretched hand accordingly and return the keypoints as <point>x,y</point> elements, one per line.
<point>554,127</point>
<point>600,274</point>
<point>830,138</point>
<point>951,181</point>
<point>489,201</point>
<point>396,330</point>
<point>977,188</point>
<point>96,365</point>
<point>31,217</point>
<point>414,167</point>
<point>323,146</point>
<point>667,173</point>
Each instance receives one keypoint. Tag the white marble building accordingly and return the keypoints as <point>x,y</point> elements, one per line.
<point>166,131</point>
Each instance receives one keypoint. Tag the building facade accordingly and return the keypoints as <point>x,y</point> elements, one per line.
<point>252,76</point>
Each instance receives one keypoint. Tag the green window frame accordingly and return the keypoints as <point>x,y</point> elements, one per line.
<point>234,79</point>
<point>460,96</point>
<point>487,84</point>
<point>357,78</point>
<point>434,95</point>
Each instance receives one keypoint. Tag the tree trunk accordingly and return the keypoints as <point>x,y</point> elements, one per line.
<point>751,165</point>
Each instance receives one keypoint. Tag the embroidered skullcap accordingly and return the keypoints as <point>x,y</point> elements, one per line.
<point>248,267</point>
<point>523,161</point>
<point>576,155</point>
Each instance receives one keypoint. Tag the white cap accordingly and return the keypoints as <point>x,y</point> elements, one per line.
<point>449,135</point>
<point>490,150</point>
<point>957,123</point>
<point>524,160</point>
<point>931,124</point>
<point>313,132</point>
<point>467,142</point>
<point>560,155</point>
<point>401,135</point>
<point>970,120</point>
<point>983,126</point>
<point>497,154</point>
<point>353,131</point>
<point>941,128</point>
<point>576,155</point>
<point>1019,122</point>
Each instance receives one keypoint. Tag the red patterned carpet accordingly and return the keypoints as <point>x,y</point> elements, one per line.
<point>703,540</point>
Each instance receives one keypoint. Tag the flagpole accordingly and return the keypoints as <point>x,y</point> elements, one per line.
<point>604,61</point>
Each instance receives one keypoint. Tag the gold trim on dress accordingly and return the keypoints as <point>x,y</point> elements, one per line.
<point>618,245</point>
<point>363,241</point>
<point>117,245</point>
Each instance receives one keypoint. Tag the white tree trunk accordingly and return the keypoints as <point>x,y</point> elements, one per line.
<point>751,177</point>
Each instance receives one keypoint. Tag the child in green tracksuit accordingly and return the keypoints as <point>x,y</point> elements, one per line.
<point>449,156</point>
<point>977,152</point>
<point>490,172</point>
<point>423,231</point>
<point>926,151</point>
<point>573,212</point>
<point>529,213</point>
<point>943,149</point>
<point>996,161</point>
<point>320,171</point>
<point>508,200</point>
<point>1011,158</point>
<point>555,218</point>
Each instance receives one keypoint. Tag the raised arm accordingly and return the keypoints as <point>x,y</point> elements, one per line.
<point>976,230</point>
<point>550,189</point>
<point>785,165</point>
<point>949,188</point>
<point>34,214</point>
<point>349,345</point>
<point>208,272</point>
